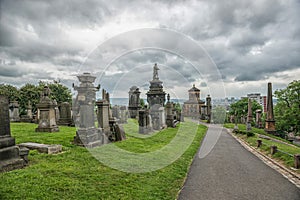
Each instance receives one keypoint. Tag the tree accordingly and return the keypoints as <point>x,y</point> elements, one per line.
<point>29,93</point>
<point>287,109</point>
<point>240,108</point>
<point>59,92</point>
<point>10,91</point>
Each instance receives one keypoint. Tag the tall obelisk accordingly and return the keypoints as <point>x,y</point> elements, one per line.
<point>270,121</point>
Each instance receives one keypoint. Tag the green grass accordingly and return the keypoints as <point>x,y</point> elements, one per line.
<point>77,174</point>
<point>265,148</point>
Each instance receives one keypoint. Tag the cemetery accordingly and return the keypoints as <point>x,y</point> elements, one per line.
<point>47,151</point>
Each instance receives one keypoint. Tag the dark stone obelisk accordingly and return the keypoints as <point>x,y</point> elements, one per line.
<point>208,107</point>
<point>270,121</point>
<point>9,153</point>
<point>249,116</point>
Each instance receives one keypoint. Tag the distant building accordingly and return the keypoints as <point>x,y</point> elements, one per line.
<point>262,100</point>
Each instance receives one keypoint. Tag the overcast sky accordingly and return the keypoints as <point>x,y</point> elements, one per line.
<point>226,48</point>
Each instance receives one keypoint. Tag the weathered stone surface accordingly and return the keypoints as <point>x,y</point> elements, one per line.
<point>65,117</point>
<point>14,111</point>
<point>157,113</point>
<point>46,113</point>
<point>144,122</point>
<point>170,116</point>
<point>9,153</point>
<point>134,102</point>
<point>42,148</point>
<point>249,116</point>
<point>87,135</point>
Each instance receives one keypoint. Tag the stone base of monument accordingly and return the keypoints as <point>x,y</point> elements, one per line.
<point>47,129</point>
<point>90,137</point>
<point>64,121</point>
<point>42,148</point>
<point>10,157</point>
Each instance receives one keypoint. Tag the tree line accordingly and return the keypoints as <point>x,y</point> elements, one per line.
<point>30,93</point>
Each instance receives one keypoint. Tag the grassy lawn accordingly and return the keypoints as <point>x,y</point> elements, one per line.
<point>77,174</point>
<point>283,158</point>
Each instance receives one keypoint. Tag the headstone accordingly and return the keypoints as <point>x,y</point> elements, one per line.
<point>169,114</point>
<point>46,110</point>
<point>87,134</point>
<point>103,112</point>
<point>9,153</point>
<point>157,113</point>
<point>14,111</point>
<point>57,114</point>
<point>28,117</point>
<point>249,116</point>
<point>144,122</point>
<point>258,121</point>
<point>116,111</point>
<point>134,102</point>
<point>123,115</point>
<point>65,117</point>
<point>156,94</point>
<point>270,121</point>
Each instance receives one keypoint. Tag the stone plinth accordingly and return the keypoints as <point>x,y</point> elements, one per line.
<point>9,153</point>
<point>134,102</point>
<point>42,148</point>
<point>157,113</point>
<point>47,119</point>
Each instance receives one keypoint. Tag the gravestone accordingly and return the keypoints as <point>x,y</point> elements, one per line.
<point>123,115</point>
<point>28,117</point>
<point>103,112</point>
<point>169,114</point>
<point>134,102</point>
<point>87,134</point>
<point>116,111</point>
<point>249,116</point>
<point>42,148</point>
<point>65,117</point>
<point>270,121</point>
<point>157,113</point>
<point>46,113</point>
<point>57,114</point>
<point>258,118</point>
<point>14,111</point>
<point>10,154</point>
<point>144,122</point>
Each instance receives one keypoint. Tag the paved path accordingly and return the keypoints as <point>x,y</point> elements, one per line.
<point>231,172</point>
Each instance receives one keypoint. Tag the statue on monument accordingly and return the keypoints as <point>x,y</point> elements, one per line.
<point>155,72</point>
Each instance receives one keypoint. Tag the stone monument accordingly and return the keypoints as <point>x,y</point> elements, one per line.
<point>65,117</point>
<point>169,114</point>
<point>208,108</point>
<point>134,102</point>
<point>157,113</point>
<point>46,110</point>
<point>249,116</point>
<point>10,154</point>
<point>156,94</point>
<point>258,118</point>
<point>144,122</point>
<point>14,111</point>
<point>123,115</point>
<point>270,121</point>
<point>103,112</point>
<point>87,134</point>
<point>193,106</point>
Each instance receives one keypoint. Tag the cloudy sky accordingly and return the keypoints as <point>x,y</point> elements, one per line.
<point>226,48</point>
